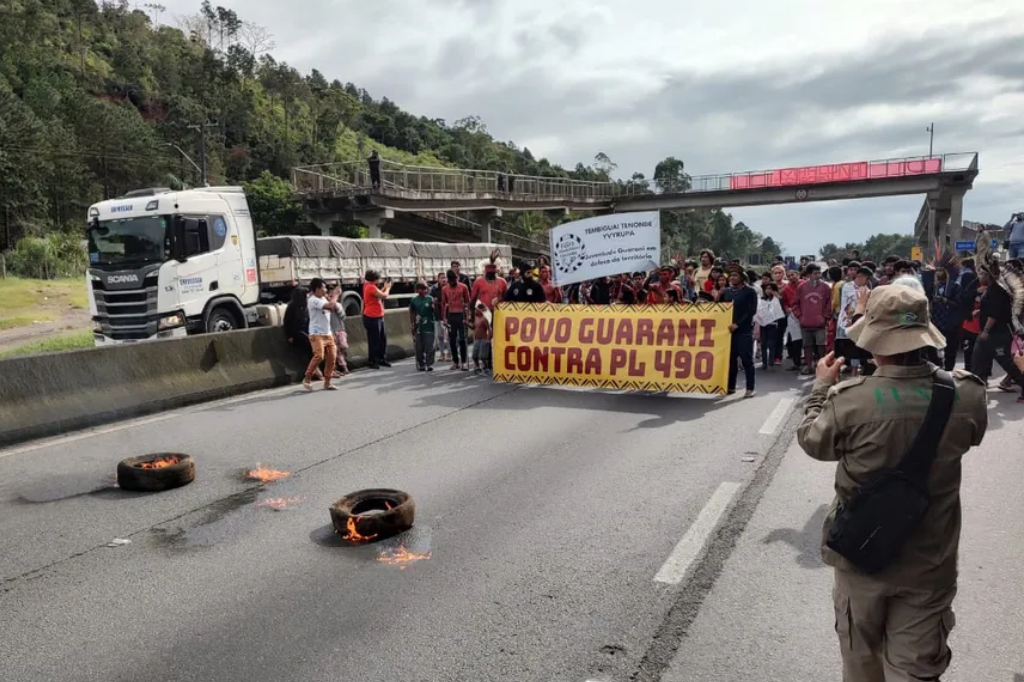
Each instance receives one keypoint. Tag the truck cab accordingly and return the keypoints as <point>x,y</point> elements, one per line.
<point>166,263</point>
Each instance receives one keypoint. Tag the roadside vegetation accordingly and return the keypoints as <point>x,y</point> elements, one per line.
<point>51,344</point>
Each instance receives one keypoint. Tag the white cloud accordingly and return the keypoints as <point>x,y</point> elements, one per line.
<point>726,86</point>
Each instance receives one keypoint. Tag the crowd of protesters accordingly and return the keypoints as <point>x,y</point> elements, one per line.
<point>797,311</point>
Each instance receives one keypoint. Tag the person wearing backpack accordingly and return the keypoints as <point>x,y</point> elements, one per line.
<point>892,532</point>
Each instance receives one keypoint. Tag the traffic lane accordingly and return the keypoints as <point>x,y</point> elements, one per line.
<point>546,528</point>
<point>285,428</point>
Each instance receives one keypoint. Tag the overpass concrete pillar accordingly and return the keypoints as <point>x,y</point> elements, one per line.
<point>929,247</point>
<point>487,220</point>
<point>324,225</point>
<point>375,221</point>
<point>956,217</point>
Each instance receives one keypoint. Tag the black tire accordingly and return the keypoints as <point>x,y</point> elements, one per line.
<point>135,479</point>
<point>385,524</point>
<point>353,307</point>
<point>221,320</point>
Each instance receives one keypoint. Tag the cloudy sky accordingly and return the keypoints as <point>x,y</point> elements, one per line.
<point>725,86</point>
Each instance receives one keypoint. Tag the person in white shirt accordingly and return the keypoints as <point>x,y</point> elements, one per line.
<point>768,318</point>
<point>844,347</point>
<point>321,337</point>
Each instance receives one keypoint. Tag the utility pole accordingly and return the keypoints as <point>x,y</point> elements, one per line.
<point>202,149</point>
<point>931,138</point>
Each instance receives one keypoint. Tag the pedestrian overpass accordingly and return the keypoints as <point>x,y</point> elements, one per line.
<point>452,204</point>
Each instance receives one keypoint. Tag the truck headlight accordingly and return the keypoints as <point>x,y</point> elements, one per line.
<point>172,321</point>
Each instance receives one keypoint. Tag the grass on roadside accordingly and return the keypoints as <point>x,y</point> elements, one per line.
<point>24,301</point>
<point>52,344</point>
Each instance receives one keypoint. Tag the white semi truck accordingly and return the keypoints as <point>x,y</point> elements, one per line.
<point>166,263</point>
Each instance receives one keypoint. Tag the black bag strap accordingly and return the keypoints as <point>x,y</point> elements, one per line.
<point>918,460</point>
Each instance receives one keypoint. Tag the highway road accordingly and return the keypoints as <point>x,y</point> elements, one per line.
<point>571,536</point>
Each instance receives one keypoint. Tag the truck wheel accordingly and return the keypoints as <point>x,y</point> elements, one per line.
<point>353,307</point>
<point>221,320</point>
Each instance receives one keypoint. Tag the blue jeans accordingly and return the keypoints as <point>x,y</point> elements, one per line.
<point>1016,250</point>
<point>742,349</point>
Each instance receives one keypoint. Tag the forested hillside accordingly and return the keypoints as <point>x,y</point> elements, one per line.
<point>96,100</point>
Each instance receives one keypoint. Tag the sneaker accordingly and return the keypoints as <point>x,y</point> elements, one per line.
<point>430,369</point>
<point>373,365</point>
<point>330,387</point>
<point>731,391</point>
<point>385,363</point>
<point>465,368</point>
<point>806,371</point>
<point>750,394</point>
<point>421,368</point>
<point>454,367</point>
<point>308,385</point>
<point>477,370</point>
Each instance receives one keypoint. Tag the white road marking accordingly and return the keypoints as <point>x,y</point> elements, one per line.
<point>696,538</point>
<point>776,417</point>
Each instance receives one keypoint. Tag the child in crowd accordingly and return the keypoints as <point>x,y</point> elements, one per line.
<point>482,339</point>
<point>768,318</point>
<point>423,316</point>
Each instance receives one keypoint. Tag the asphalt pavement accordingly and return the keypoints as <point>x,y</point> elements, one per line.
<point>567,535</point>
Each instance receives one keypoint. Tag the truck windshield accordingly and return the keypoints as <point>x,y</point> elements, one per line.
<point>128,241</point>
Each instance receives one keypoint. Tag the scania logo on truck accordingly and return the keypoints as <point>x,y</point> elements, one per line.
<point>122,279</point>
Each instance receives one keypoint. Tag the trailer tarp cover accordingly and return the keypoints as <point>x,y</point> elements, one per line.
<point>341,247</point>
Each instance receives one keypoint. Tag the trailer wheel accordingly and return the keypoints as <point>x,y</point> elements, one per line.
<point>353,307</point>
<point>221,320</point>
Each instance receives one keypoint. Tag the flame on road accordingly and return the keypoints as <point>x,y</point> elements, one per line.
<point>353,534</point>
<point>400,556</point>
<point>160,462</point>
<point>265,474</point>
<point>278,503</point>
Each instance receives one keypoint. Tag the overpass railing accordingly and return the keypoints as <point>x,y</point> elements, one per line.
<point>354,177</point>
<point>349,177</point>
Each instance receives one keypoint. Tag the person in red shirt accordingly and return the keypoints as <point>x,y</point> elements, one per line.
<point>454,306</point>
<point>489,288</point>
<point>552,293</point>
<point>666,289</point>
<point>795,347</point>
<point>813,308</point>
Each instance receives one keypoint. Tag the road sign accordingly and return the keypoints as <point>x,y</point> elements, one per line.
<point>916,253</point>
<point>965,246</point>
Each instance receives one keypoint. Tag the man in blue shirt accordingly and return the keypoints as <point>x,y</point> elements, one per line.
<point>1015,235</point>
<point>744,307</point>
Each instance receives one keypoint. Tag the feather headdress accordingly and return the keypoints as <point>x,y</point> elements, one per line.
<point>946,261</point>
<point>1009,276</point>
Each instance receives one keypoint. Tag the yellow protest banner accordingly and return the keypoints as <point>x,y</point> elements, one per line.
<point>916,253</point>
<point>671,348</point>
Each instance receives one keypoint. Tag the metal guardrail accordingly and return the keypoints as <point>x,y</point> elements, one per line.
<point>354,177</point>
<point>350,177</point>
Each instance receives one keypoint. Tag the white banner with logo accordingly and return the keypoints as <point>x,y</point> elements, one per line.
<point>604,246</point>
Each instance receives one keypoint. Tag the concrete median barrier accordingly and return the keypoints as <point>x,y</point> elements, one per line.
<point>53,393</point>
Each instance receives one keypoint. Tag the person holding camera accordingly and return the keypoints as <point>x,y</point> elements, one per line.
<point>1015,236</point>
<point>373,318</point>
<point>321,338</point>
<point>892,533</point>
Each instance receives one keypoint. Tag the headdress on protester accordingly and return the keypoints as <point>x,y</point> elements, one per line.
<point>1009,276</point>
<point>946,260</point>
<point>897,320</point>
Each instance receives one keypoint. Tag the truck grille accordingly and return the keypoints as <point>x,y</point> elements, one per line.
<point>127,314</point>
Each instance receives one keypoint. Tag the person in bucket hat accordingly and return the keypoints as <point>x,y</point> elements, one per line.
<point>897,321</point>
<point>894,625</point>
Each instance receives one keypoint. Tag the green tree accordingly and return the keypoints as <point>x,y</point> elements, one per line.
<point>273,210</point>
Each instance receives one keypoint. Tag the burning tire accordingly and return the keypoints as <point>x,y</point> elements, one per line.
<point>155,473</point>
<point>373,514</point>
